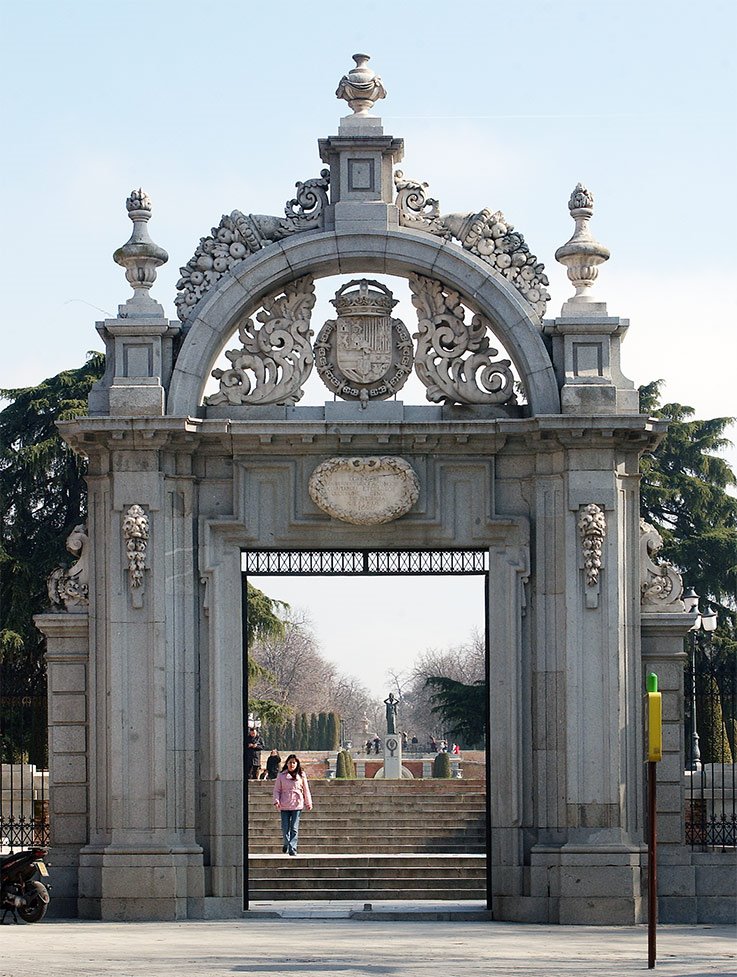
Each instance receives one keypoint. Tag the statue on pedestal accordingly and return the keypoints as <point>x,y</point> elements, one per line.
<point>391,713</point>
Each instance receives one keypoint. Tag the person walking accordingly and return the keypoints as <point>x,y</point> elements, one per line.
<point>272,765</point>
<point>291,797</point>
<point>254,745</point>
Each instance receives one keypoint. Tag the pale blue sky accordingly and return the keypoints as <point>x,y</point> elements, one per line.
<point>213,107</point>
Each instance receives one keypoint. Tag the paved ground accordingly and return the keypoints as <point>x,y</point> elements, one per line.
<point>367,946</point>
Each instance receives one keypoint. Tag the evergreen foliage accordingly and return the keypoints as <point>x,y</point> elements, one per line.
<point>314,741</point>
<point>340,767</point>
<point>322,731</point>
<point>441,767</point>
<point>684,493</point>
<point>713,740</point>
<point>43,496</point>
<point>333,732</point>
<point>462,708</point>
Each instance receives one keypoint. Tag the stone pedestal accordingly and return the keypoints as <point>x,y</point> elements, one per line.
<point>392,757</point>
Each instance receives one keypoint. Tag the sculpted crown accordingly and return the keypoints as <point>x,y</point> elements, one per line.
<point>364,300</point>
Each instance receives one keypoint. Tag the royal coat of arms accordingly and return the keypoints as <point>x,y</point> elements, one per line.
<point>364,354</point>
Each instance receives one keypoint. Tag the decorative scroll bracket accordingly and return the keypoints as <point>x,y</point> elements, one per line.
<point>69,587</point>
<point>661,586</point>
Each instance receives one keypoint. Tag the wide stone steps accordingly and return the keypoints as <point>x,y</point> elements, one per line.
<point>373,840</point>
<point>367,877</point>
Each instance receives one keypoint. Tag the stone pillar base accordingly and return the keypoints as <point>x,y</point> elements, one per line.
<point>119,883</point>
<point>589,885</point>
<point>392,757</point>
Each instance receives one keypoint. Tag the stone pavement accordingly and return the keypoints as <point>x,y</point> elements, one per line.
<point>367,944</point>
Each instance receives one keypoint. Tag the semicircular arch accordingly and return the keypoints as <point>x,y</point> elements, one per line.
<point>323,254</point>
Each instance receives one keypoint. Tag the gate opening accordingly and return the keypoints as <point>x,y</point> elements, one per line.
<point>365,562</point>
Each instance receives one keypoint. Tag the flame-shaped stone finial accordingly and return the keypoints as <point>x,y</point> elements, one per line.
<point>140,256</point>
<point>582,253</point>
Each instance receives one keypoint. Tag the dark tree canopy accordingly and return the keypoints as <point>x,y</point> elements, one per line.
<point>685,494</point>
<point>43,496</point>
<point>462,707</point>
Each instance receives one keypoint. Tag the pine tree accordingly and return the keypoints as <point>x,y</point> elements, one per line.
<point>713,739</point>
<point>333,731</point>
<point>462,707</point>
<point>684,493</point>
<point>322,732</point>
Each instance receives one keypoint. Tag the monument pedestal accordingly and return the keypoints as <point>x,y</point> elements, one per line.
<point>392,757</point>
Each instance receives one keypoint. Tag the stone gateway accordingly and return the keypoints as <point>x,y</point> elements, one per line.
<point>527,449</point>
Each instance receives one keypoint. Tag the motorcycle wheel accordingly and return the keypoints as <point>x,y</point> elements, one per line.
<point>35,911</point>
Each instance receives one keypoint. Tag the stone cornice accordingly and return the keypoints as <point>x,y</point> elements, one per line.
<point>94,435</point>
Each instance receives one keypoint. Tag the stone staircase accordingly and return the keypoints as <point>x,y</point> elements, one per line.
<point>373,840</point>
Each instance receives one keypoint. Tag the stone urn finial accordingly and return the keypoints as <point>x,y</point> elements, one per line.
<point>582,253</point>
<point>140,256</point>
<point>361,87</point>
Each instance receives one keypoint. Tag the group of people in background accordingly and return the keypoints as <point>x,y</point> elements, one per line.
<point>254,747</point>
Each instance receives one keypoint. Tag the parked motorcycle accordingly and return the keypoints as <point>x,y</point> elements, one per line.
<point>20,892</point>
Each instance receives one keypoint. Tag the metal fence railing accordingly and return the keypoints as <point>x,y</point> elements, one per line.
<point>711,748</point>
<point>24,807</point>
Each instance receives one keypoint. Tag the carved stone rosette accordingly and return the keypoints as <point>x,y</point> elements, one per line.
<point>239,235</point>
<point>69,588</point>
<point>364,354</point>
<point>135,535</point>
<point>276,359</point>
<point>661,586</point>
<point>486,234</point>
<point>454,359</point>
<point>364,491</point>
<point>592,529</point>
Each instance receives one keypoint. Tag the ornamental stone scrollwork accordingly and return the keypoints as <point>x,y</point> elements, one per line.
<point>364,354</point>
<point>592,530</point>
<point>69,588</point>
<point>454,359</point>
<point>135,535</point>
<point>278,356</point>
<point>364,491</point>
<point>239,235</point>
<point>661,586</point>
<point>486,234</point>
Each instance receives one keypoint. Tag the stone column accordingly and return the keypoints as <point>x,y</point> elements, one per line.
<point>67,651</point>
<point>588,864</point>
<point>142,861</point>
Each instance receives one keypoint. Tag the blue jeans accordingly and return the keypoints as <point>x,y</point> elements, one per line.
<point>290,829</point>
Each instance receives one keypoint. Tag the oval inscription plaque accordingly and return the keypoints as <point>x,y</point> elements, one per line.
<point>364,491</point>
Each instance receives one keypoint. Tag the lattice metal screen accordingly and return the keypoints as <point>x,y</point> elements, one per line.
<point>359,562</point>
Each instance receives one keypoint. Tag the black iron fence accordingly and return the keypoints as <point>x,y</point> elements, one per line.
<point>24,808</point>
<point>711,747</point>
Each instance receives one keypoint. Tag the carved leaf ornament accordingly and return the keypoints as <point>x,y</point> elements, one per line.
<point>592,528</point>
<point>274,360</point>
<point>454,359</point>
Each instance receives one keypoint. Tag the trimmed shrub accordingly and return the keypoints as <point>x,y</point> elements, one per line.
<point>441,768</point>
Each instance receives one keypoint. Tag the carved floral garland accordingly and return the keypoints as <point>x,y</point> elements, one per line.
<point>592,527</point>
<point>135,533</point>
<point>239,235</point>
<point>488,235</point>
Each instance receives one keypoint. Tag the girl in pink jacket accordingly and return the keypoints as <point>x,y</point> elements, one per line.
<point>291,796</point>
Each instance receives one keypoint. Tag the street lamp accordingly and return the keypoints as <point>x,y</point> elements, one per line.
<point>702,623</point>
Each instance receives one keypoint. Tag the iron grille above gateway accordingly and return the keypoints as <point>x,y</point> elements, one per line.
<point>358,562</point>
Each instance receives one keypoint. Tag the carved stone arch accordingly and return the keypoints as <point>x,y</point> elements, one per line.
<point>323,254</point>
